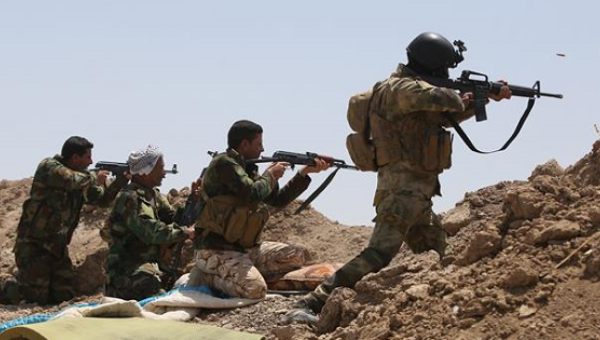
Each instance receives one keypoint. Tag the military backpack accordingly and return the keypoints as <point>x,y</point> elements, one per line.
<point>359,143</point>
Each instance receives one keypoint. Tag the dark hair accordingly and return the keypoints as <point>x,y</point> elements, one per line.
<point>242,130</point>
<point>75,145</point>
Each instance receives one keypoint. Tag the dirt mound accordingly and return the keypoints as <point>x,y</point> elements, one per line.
<point>523,263</point>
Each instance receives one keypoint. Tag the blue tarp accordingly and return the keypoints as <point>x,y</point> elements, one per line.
<point>37,318</point>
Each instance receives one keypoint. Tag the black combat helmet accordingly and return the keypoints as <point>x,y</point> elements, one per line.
<point>432,53</point>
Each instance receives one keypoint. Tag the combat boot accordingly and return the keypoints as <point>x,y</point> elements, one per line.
<point>9,292</point>
<point>310,302</point>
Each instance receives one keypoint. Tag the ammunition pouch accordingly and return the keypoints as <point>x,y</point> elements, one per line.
<point>437,151</point>
<point>362,151</point>
<point>236,221</point>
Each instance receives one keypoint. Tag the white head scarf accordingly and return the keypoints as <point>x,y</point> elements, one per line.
<point>143,161</point>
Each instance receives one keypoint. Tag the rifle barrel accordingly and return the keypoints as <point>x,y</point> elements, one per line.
<point>522,91</point>
<point>554,95</point>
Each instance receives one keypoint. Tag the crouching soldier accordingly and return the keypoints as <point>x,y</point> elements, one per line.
<point>60,188</point>
<point>141,221</point>
<point>230,257</point>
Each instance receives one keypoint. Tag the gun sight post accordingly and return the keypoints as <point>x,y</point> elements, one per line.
<point>173,171</point>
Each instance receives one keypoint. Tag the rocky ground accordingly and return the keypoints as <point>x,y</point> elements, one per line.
<point>523,263</point>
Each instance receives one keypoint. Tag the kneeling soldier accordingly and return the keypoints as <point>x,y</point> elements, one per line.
<point>141,221</point>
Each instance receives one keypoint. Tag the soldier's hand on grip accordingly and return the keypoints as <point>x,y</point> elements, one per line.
<point>102,176</point>
<point>505,92</point>
<point>278,169</point>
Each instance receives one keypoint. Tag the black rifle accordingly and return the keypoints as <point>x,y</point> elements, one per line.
<point>120,168</point>
<point>480,88</point>
<point>191,212</point>
<point>307,158</point>
<point>188,217</point>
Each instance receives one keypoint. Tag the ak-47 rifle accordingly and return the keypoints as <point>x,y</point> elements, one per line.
<point>307,158</point>
<point>191,211</point>
<point>187,218</point>
<point>117,168</point>
<point>480,88</point>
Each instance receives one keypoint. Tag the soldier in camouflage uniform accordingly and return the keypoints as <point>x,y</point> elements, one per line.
<point>412,149</point>
<point>233,216</point>
<point>60,187</point>
<point>141,221</point>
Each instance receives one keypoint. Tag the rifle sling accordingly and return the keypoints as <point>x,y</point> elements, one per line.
<point>317,192</point>
<point>468,141</point>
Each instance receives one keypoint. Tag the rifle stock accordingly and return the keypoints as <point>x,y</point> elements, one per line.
<point>187,218</point>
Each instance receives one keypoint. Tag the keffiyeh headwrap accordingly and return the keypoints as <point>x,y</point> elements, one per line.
<point>143,161</point>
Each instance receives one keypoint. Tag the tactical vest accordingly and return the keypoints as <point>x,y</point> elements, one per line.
<point>378,141</point>
<point>233,219</point>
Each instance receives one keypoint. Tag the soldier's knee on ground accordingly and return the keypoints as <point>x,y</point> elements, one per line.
<point>255,288</point>
<point>146,285</point>
<point>34,293</point>
<point>138,286</point>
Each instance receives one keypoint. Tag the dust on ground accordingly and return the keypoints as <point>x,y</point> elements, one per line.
<point>501,278</point>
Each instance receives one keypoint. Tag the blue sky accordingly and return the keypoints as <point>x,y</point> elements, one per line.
<point>177,74</point>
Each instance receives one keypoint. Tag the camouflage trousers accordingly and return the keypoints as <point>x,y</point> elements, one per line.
<point>401,217</point>
<point>136,282</point>
<point>43,276</point>
<point>240,274</point>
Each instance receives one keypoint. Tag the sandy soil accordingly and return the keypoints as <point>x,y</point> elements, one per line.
<point>500,280</point>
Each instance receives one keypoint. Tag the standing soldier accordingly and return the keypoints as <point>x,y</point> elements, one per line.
<point>60,187</point>
<point>141,221</point>
<point>411,149</point>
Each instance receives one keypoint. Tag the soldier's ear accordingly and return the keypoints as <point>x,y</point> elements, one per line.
<point>74,161</point>
<point>243,145</point>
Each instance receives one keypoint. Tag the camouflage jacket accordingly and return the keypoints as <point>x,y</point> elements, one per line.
<point>229,174</point>
<point>141,221</point>
<point>51,213</point>
<point>412,108</point>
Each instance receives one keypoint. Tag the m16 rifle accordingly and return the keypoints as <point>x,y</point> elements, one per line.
<point>481,87</point>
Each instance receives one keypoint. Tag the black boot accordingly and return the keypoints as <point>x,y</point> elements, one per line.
<point>9,292</point>
<point>310,302</point>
